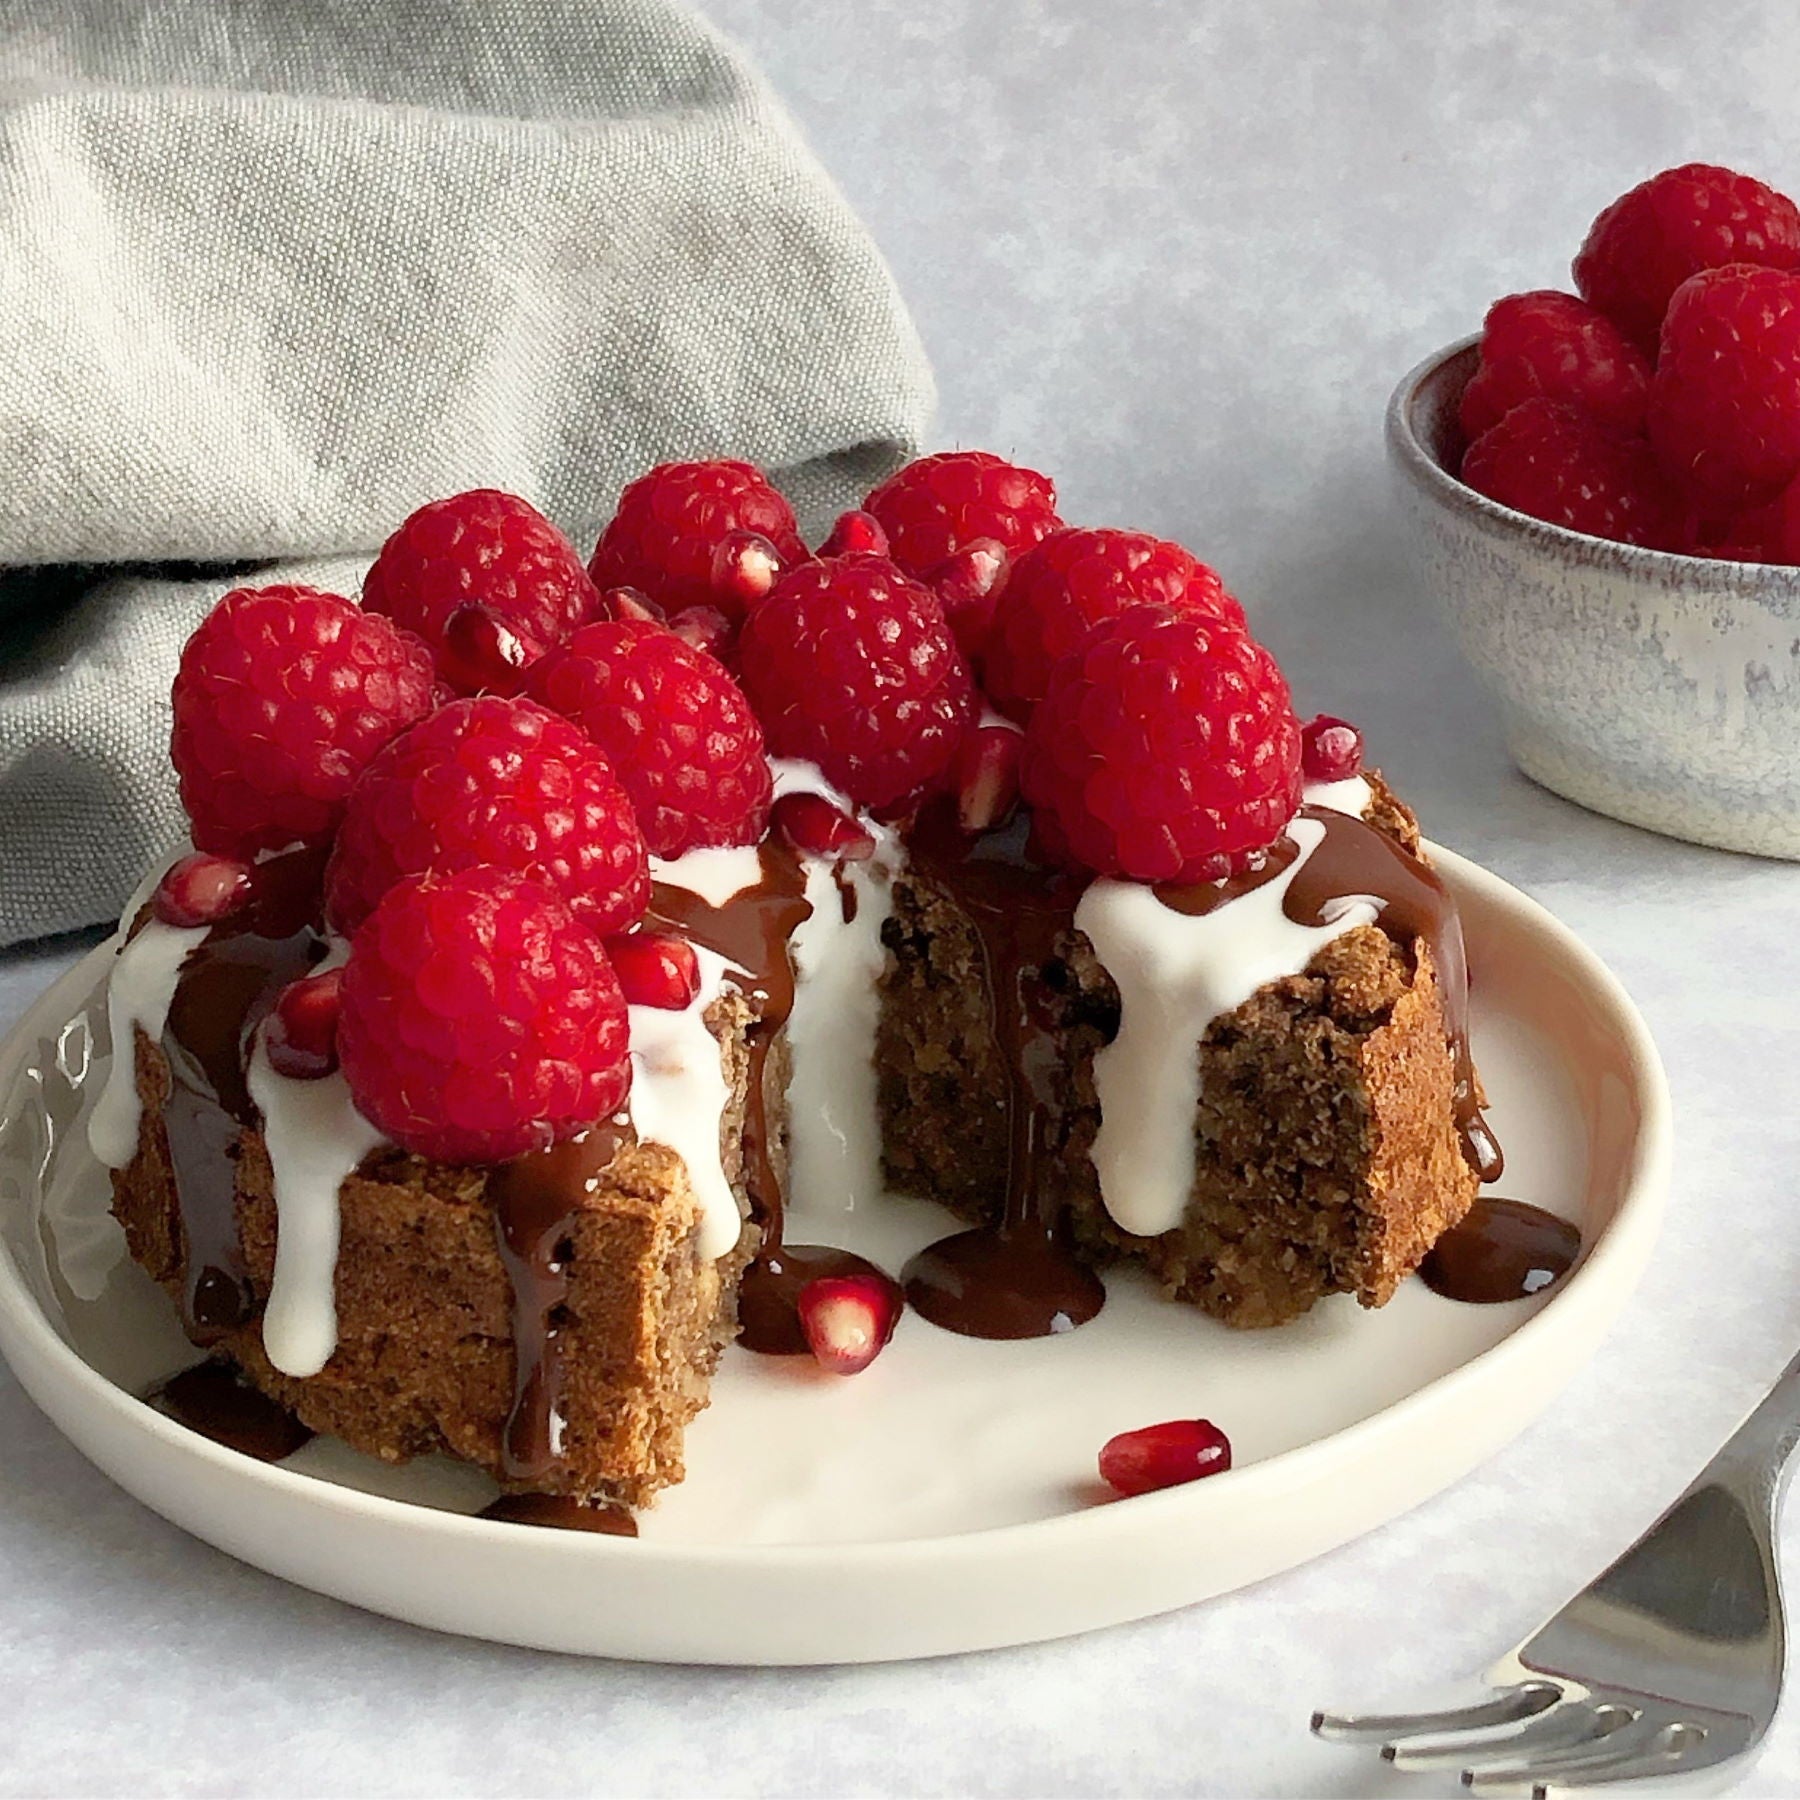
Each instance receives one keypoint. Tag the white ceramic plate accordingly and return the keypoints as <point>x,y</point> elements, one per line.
<point>945,1500</point>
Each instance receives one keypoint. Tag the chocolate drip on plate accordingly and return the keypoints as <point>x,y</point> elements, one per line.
<point>227,984</point>
<point>1017,1277</point>
<point>1355,861</point>
<point>213,1399</point>
<point>1502,1250</point>
<point>561,1513</point>
<point>535,1200</point>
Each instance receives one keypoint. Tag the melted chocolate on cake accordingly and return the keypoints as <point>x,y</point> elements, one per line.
<point>227,984</point>
<point>1017,1277</point>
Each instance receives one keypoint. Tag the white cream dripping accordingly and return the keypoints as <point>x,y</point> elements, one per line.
<point>1176,973</point>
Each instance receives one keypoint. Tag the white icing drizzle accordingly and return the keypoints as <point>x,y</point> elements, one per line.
<point>678,1092</point>
<point>139,991</point>
<point>1176,973</point>
<point>315,1137</point>
<point>834,1138</point>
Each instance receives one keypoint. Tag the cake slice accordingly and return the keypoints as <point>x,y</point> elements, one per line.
<point>455,1076</point>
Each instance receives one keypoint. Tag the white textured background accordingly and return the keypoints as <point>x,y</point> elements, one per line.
<point>1176,256</point>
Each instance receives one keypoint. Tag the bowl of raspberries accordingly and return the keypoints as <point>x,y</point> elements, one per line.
<point>1603,489</point>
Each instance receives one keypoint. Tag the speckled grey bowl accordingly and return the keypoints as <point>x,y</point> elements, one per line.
<point>1662,689</point>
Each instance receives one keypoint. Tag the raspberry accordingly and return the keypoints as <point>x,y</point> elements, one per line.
<point>671,522</point>
<point>1649,241</point>
<point>480,1019</point>
<point>1558,463</point>
<point>932,508</point>
<point>1166,750</point>
<point>851,666</point>
<point>484,547</point>
<point>492,781</point>
<point>283,696</point>
<point>1051,596</point>
<point>1725,399</point>
<point>1553,344</point>
<point>674,725</point>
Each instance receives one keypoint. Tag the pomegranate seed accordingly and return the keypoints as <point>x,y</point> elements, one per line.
<point>985,776</point>
<point>1330,750</point>
<point>856,533</point>
<point>300,1034</point>
<point>706,628</point>
<point>481,653</point>
<point>202,890</point>
<point>1160,1456</point>
<point>655,968</point>
<point>965,584</point>
<point>847,1320</point>
<point>809,822</point>
<point>744,568</point>
<point>629,603</point>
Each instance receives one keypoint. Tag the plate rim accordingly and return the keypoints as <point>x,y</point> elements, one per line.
<point>1624,1244</point>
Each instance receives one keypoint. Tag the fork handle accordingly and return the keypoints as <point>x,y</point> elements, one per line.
<point>1757,1460</point>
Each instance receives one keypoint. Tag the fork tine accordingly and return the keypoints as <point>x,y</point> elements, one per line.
<point>1573,1722</point>
<point>1634,1751</point>
<point>1507,1707</point>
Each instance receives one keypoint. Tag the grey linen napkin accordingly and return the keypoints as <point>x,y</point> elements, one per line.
<point>273,275</point>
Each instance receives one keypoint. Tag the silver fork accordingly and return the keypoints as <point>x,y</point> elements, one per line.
<point>1668,1665</point>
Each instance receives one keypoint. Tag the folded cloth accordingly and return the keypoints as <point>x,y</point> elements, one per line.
<point>273,275</point>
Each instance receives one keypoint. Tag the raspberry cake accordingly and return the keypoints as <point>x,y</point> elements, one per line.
<point>549,928</point>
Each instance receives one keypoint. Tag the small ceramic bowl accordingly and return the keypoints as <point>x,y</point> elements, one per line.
<point>1661,689</point>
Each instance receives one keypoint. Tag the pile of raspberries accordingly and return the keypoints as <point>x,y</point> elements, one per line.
<point>1662,406</point>
<point>489,751</point>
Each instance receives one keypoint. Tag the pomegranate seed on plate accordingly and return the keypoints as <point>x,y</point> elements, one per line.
<point>847,1320</point>
<point>1160,1456</point>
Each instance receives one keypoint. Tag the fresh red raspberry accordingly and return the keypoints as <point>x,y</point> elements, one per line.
<point>481,1019</point>
<point>932,508</point>
<point>1166,750</point>
<point>283,696</point>
<point>1050,597</point>
<point>1649,241</point>
<point>1555,345</point>
<point>497,781</point>
<point>671,522</point>
<point>484,548</point>
<point>851,666</point>
<point>1560,464</point>
<point>673,724</point>
<point>1725,399</point>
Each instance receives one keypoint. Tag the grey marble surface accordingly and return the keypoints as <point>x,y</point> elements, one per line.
<point>1176,256</point>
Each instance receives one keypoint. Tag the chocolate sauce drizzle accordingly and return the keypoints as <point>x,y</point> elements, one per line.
<point>228,982</point>
<point>535,1199</point>
<point>1502,1250</point>
<point>1354,860</point>
<point>751,931</point>
<point>215,1400</point>
<point>1016,1277</point>
<point>561,1513</point>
